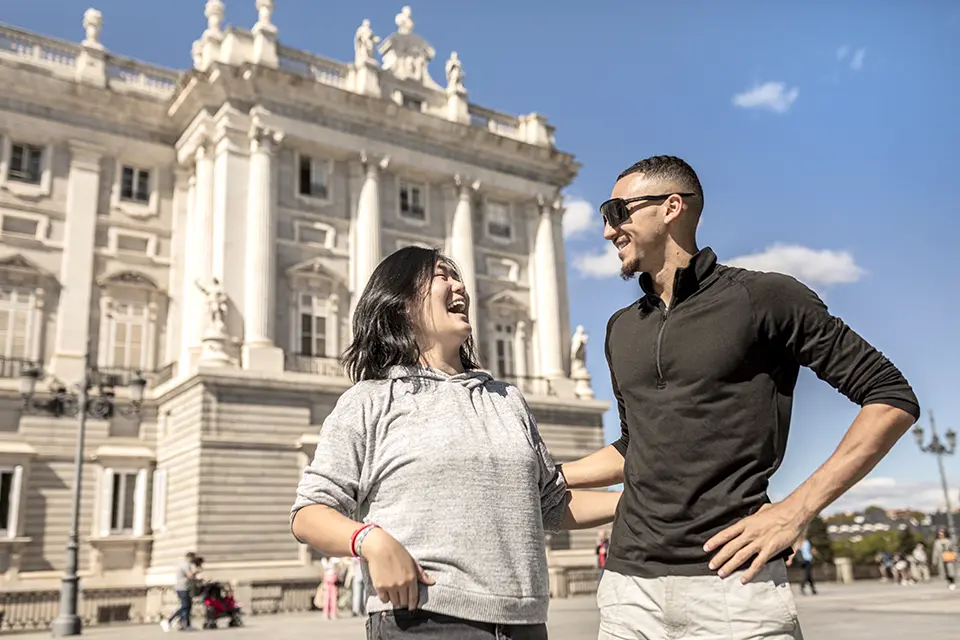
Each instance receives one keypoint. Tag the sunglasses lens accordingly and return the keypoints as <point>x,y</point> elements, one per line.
<point>614,212</point>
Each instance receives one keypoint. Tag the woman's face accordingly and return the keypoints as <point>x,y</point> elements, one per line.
<point>444,320</point>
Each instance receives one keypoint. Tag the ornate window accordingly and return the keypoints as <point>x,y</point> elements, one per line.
<point>25,167</point>
<point>313,177</point>
<point>123,505</point>
<point>314,310</point>
<point>129,308</point>
<point>11,482</point>
<point>506,343</point>
<point>317,234</point>
<point>503,269</point>
<point>23,226</point>
<point>23,294</point>
<point>412,201</point>
<point>135,190</point>
<point>497,222</point>
<point>131,243</point>
<point>504,359</point>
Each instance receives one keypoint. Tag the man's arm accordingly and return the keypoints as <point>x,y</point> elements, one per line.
<point>792,319</point>
<point>587,509</point>
<point>603,468</point>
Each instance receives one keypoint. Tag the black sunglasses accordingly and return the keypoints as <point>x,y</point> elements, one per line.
<point>615,211</point>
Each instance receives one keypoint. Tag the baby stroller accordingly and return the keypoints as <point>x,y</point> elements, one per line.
<point>218,603</point>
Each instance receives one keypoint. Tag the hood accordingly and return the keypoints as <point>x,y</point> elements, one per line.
<point>469,379</point>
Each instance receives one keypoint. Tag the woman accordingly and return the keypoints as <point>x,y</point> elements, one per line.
<point>433,472</point>
<point>945,555</point>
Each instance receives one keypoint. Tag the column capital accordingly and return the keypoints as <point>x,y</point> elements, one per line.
<point>264,139</point>
<point>465,186</point>
<point>548,204</point>
<point>85,155</point>
<point>371,163</point>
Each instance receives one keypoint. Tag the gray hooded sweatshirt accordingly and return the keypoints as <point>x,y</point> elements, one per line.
<point>454,468</point>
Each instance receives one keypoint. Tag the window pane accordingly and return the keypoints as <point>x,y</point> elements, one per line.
<point>132,244</point>
<point>17,163</point>
<point>20,226</point>
<point>306,334</point>
<point>117,502</point>
<point>126,184</point>
<point>6,486</point>
<point>129,500</point>
<point>18,346</point>
<point>313,235</point>
<point>320,335</point>
<point>33,163</point>
<point>143,186</point>
<point>305,178</point>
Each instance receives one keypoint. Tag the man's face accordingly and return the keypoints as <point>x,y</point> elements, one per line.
<point>640,239</point>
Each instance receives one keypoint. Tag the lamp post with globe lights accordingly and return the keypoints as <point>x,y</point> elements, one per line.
<point>80,403</point>
<point>940,449</point>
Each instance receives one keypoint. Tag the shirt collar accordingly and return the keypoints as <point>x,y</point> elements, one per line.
<point>686,280</point>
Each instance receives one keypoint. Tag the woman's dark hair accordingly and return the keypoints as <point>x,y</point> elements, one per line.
<point>384,320</point>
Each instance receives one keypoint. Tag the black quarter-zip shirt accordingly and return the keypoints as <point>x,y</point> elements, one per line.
<point>704,389</point>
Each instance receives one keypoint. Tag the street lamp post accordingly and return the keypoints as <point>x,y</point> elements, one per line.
<point>940,449</point>
<point>79,403</point>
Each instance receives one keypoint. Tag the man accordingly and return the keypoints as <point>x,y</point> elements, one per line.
<point>807,553</point>
<point>703,368</point>
<point>183,585</point>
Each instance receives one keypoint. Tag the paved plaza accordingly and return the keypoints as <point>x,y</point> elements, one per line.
<point>856,612</point>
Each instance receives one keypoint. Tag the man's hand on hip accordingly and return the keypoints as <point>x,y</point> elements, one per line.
<point>764,534</point>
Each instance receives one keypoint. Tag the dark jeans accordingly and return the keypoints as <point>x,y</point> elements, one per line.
<point>186,603</point>
<point>808,577</point>
<point>388,625</point>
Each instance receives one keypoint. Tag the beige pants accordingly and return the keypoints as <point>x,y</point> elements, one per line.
<point>698,607</point>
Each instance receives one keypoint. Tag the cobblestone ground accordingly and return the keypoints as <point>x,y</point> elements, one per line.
<point>856,612</point>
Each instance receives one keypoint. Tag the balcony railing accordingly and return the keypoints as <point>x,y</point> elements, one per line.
<point>13,367</point>
<point>317,365</point>
<point>531,385</point>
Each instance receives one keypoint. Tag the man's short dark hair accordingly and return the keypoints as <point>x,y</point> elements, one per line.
<point>191,555</point>
<point>669,169</point>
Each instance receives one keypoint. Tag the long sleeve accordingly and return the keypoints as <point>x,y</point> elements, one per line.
<point>333,477</point>
<point>791,317</point>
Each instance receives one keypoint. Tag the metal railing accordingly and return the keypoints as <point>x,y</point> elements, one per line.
<point>317,365</point>
<point>14,367</point>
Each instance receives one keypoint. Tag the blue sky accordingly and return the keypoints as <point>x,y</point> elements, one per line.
<point>825,135</point>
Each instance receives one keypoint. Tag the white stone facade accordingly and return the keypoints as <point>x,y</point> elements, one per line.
<point>213,228</point>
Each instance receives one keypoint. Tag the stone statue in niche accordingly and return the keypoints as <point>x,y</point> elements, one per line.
<point>216,305</point>
<point>363,44</point>
<point>92,24</point>
<point>454,74</point>
<point>578,352</point>
<point>404,21</point>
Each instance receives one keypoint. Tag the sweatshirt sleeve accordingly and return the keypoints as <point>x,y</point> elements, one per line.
<point>333,477</point>
<point>793,318</point>
<point>553,488</point>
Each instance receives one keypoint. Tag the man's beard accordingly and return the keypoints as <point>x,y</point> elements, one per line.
<point>629,269</point>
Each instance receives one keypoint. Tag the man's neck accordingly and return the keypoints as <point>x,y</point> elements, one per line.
<point>674,257</point>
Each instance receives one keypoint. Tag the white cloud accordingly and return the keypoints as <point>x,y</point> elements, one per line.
<point>579,217</point>
<point>843,52</point>
<point>601,264</point>
<point>889,493</point>
<point>856,62</point>
<point>810,266</point>
<point>773,96</point>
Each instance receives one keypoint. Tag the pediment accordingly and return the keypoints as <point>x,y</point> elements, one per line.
<point>313,268</point>
<point>128,278</point>
<point>21,265</point>
<point>506,299</point>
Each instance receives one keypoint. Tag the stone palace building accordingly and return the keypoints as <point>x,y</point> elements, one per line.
<point>211,230</point>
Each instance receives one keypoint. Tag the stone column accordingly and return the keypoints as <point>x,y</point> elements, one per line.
<point>259,317</point>
<point>548,299</point>
<point>76,268</point>
<point>197,259</point>
<point>520,351</point>
<point>461,242</point>
<point>367,251</point>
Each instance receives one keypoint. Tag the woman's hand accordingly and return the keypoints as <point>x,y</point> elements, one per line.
<point>394,573</point>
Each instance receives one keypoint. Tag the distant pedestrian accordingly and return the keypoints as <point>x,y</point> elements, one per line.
<point>807,553</point>
<point>184,585</point>
<point>945,555</point>
<point>921,564</point>
<point>603,545</point>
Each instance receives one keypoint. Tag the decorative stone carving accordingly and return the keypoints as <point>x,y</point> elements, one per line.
<point>216,305</point>
<point>363,44</point>
<point>406,55</point>
<point>92,23</point>
<point>214,12</point>
<point>455,74</point>
<point>196,52</point>
<point>264,13</point>
<point>404,21</point>
<point>578,351</point>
